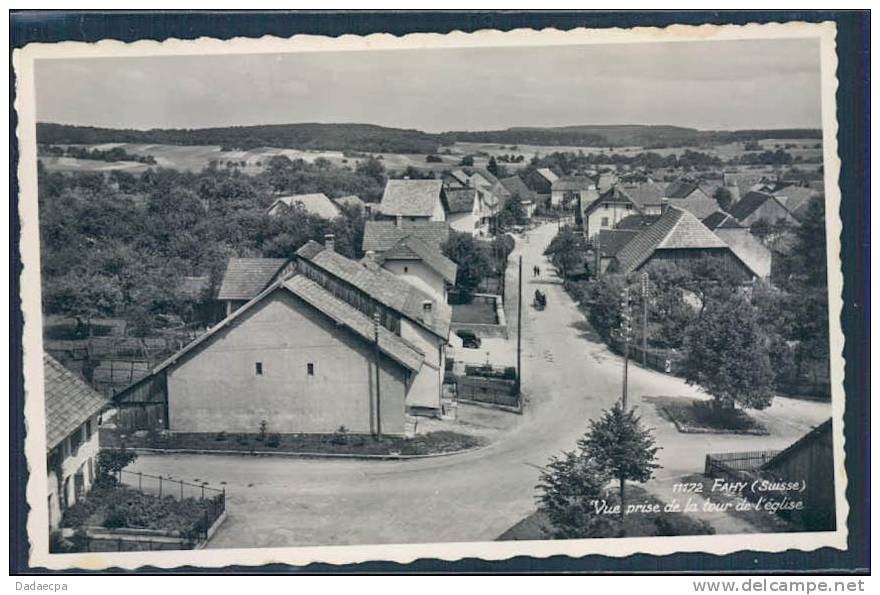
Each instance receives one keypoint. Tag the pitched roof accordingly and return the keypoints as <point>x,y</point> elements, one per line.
<point>573,183</point>
<point>411,198</point>
<point>69,401</point>
<point>605,181</point>
<point>680,188</point>
<point>515,186</point>
<point>612,195</point>
<point>246,277</point>
<point>750,203</point>
<point>460,176</point>
<point>460,200</point>
<point>793,197</point>
<point>675,229</point>
<point>700,206</point>
<point>814,434</point>
<point>547,174</point>
<point>412,248</point>
<point>383,286</point>
<point>643,195</point>
<point>322,300</point>
<point>747,248</point>
<point>720,219</point>
<point>744,181</point>
<point>316,204</point>
<point>636,222</point>
<point>612,241</point>
<point>382,235</point>
<point>351,200</point>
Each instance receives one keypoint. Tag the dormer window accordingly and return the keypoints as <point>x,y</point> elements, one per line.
<point>426,307</point>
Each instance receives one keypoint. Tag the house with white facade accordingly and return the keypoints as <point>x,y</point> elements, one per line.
<point>573,190</point>
<point>606,211</point>
<point>73,414</point>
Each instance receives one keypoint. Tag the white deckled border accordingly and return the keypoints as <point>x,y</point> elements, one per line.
<point>35,444</point>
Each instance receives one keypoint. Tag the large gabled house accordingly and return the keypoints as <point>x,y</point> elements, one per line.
<point>73,413</point>
<point>413,200</point>
<point>678,237</point>
<point>541,182</point>
<point>303,356</point>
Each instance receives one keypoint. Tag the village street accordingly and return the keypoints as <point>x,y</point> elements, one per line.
<point>569,378</point>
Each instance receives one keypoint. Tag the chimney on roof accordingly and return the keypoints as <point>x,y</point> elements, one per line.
<point>664,205</point>
<point>330,242</point>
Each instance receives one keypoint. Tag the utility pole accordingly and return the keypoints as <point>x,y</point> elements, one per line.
<point>378,389</point>
<point>625,331</point>
<point>645,319</point>
<point>519,337</point>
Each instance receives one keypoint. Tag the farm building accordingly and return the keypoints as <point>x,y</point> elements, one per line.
<point>677,236</point>
<point>795,198</point>
<point>541,182</point>
<point>809,460</point>
<point>579,190</point>
<point>73,411</point>
<point>741,241</point>
<point>413,200</point>
<point>756,207</point>
<point>456,178</point>
<point>315,204</point>
<point>301,355</point>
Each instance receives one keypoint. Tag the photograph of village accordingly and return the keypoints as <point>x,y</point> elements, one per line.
<point>434,295</point>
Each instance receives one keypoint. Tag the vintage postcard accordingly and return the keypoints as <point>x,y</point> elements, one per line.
<point>432,296</point>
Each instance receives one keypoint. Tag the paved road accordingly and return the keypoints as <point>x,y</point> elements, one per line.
<point>568,377</point>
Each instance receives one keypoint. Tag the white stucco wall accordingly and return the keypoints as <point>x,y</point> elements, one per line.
<point>419,275</point>
<point>428,384</point>
<point>613,214</point>
<point>72,463</point>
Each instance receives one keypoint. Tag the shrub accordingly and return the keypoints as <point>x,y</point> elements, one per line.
<point>220,437</point>
<point>274,440</point>
<point>116,518</point>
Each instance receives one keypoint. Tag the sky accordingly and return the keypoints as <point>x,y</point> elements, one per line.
<point>705,85</point>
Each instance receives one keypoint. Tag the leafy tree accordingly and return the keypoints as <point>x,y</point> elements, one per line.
<point>724,198</point>
<point>727,355</point>
<point>622,446</point>
<point>472,257</point>
<point>112,461</point>
<point>512,213</point>
<point>492,166</point>
<point>568,485</point>
<point>568,252</point>
<point>467,161</point>
<point>603,300</point>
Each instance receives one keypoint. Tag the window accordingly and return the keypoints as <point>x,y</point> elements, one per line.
<point>258,368</point>
<point>604,221</point>
<point>405,269</point>
<point>75,440</point>
<point>310,369</point>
